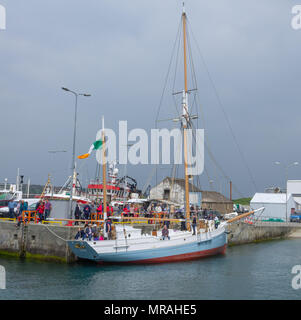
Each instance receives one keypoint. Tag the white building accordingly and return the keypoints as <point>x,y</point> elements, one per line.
<point>174,190</point>
<point>274,203</point>
<point>294,187</point>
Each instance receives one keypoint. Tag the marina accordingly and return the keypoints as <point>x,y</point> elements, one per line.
<point>106,203</point>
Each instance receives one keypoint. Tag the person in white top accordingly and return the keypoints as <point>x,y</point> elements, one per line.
<point>158,208</point>
<point>216,222</point>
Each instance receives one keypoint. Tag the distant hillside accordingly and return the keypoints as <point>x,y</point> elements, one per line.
<point>243,201</point>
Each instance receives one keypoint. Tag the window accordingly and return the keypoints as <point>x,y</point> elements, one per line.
<point>166,194</point>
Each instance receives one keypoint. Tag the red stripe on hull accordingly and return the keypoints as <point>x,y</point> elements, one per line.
<point>176,258</point>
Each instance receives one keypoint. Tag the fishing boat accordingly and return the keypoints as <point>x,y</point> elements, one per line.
<point>12,192</point>
<point>133,246</point>
<point>119,189</point>
<point>59,200</point>
<point>7,195</point>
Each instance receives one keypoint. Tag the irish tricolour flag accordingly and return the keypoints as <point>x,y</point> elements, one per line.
<point>95,146</point>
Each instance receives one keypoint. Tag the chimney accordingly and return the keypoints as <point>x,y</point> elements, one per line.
<point>231,190</point>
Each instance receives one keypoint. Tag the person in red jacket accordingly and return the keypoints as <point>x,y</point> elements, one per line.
<point>125,212</point>
<point>136,211</point>
<point>40,211</point>
<point>99,211</point>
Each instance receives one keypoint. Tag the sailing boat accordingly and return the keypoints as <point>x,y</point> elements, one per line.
<point>131,246</point>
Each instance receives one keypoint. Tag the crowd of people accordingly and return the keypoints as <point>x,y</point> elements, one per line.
<point>43,209</point>
<point>93,232</point>
<point>89,232</point>
<point>87,211</point>
<point>151,210</point>
<point>19,210</point>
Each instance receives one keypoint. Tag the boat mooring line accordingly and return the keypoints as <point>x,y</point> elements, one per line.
<point>54,233</point>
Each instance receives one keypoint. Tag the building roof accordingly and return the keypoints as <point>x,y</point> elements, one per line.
<point>297,200</point>
<point>181,182</point>
<point>270,198</point>
<point>213,196</point>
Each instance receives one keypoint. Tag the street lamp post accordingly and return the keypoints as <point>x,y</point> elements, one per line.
<point>286,177</point>
<point>73,152</point>
<point>54,152</point>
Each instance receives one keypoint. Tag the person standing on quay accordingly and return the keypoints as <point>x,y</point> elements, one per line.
<point>25,209</point>
<point>92,207</point>
<point>40,211</point>
<point>18,208</point>
<point>22,207</point>
<point>99,211</point>
<point>77,214</point>
<point>87,211</point>
<point>132,210</point>
<point>47,209</point>
<point>25,206</point>
<point>194,224</point>
<point>11,207</point>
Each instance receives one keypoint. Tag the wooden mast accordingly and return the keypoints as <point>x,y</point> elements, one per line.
<point>185,115</point>
<point>104,174</point>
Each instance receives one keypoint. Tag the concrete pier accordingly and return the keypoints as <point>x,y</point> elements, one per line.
<point>242,233</point>
<point>36,241</point>
<point>295,234</point>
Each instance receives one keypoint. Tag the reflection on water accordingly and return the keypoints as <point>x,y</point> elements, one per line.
<point>255,271</point>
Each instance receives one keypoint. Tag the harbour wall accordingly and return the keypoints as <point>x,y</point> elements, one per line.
<point>37,241</point>
<point>42,242</point>
<point>243,233</point>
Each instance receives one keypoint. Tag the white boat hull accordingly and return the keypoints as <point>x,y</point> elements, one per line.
<point>147,249</point>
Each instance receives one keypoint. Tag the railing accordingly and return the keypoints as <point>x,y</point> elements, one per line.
<point>8,219</point>
<point>254,219</point>
<point>269,221</point>
<point>52,222</point>
<point>29,216</point>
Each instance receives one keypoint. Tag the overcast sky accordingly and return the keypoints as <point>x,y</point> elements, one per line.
<point>119,51</point>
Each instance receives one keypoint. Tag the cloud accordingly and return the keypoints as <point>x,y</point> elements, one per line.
<point>119,52</point>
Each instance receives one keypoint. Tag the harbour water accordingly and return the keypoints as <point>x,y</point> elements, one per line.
<point>253,271</point>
